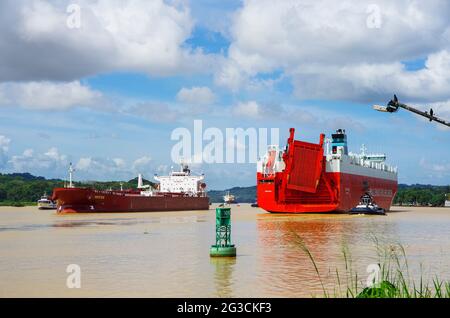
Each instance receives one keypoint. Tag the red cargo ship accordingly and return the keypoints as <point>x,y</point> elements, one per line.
<point>304,179</point>
<point>180,191</point>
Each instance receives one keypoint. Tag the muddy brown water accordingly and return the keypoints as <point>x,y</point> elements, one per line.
<point>167,254</point>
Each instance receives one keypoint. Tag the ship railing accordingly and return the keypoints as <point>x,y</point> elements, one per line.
<point>372,164</point>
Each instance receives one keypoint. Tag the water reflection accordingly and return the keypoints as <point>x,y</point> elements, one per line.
<point>285,265</point>
<point>223,275</point>
<point>67,221</point>
<point>68,224</point>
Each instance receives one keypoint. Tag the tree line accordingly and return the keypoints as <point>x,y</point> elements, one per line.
<point>423,195</point>
<point>24,188</point>
<point>417,194</point>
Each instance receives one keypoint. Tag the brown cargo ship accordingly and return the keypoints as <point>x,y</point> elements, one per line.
<point>179,191</point>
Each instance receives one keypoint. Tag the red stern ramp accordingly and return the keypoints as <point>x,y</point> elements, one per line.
<point>304,166</point>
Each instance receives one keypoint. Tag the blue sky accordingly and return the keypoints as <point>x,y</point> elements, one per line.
<point>107,95</point>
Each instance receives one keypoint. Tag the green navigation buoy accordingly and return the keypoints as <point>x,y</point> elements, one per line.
<point>223,246</point>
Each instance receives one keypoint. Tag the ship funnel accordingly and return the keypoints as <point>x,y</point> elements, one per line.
<point>140,183</point>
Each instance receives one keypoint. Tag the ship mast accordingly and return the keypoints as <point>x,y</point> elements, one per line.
<point>327,144</point>
<point>140,182</point>
<point>363,150</point>
<point>71,170</point>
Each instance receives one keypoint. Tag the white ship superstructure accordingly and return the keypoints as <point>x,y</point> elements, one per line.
<point>181,182</point>
<point>338,160</point>
<point>358,164</point>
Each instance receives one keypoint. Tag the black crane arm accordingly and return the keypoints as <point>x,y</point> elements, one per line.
<point>394,104</point>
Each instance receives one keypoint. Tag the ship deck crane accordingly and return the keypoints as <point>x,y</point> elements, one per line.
<point>394,105</point>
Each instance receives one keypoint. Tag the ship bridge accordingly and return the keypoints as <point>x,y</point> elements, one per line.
<point>339,152</point>
<point>181,182</point>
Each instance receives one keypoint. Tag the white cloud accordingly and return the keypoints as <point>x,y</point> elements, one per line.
<point>4,146</point>
<point>83,164</point>
<point>263,111</point>
<point>155,112</point>
<point>255,110</point>
<point>436,169</point>
<point>52,164</point>
<point>48,95</point>
<point>28,153</point>
<point>300,115</point>
<point>196,95</point>
<point>4,143</point>
<point>329,51</point>
<point>65,95</point>
<point>247,109</point>
<point>366,82</point>
<point>114,35</point>
<point>120,163</point>
<point>97,168</point>
<point>142,165</point>
<point>99,164</point>
<point>161,112</point>
<point>49,162</point>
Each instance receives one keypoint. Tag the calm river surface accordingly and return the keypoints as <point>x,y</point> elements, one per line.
<point>167,254</point>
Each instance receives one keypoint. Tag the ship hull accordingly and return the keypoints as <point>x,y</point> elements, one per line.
<point>47,207</point>
<point>78,200</point>
<point>348,189</point>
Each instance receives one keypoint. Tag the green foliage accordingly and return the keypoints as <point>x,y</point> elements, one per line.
<point>395,280</point>
<point>18,189</point>
<point>385,290</point>
<point>418,194</point>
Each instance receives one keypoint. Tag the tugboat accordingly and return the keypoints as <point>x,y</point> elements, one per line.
<point>44,203</point>
<point>229,198</point>
<point>367,206</point>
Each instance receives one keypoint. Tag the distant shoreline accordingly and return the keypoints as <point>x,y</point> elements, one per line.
<point>24,189</point>
<point>18,204</point>
<point>34,204</point>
